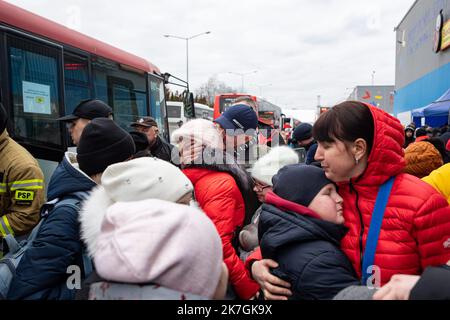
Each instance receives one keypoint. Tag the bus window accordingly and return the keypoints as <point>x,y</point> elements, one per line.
<point>225,103</point>
<point>35,91</point>
<point>124,91</point>
<point>76,81</point>
<point>173,111</point>
<point>158,104</point>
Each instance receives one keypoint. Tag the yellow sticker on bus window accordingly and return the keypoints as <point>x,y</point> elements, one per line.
<point>22,195</point>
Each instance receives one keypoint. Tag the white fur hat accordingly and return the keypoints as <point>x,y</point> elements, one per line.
<point>145,178</point>
<point>201,131</point>
<point>268,166</point>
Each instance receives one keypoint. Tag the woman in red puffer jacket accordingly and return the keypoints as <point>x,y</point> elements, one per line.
<point>222,189</point>
<point>360,148</point>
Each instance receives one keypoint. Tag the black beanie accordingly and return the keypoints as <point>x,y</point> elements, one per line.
<point>303,132</point>
<point>102,144</point>
<point>140,140</point>
<point>299,183</point>
<point>421,132</point>
<point>3,118</point>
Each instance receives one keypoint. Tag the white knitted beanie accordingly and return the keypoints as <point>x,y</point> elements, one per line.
<point>268,166</point>
<point>145,178</point>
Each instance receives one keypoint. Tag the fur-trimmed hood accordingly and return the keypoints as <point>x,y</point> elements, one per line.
<point>91,217</point>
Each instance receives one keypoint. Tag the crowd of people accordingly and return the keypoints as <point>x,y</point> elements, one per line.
<point>131,216</point>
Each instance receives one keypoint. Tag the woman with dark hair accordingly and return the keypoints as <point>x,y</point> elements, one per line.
<point>409,136</point>
<point>360,149</point>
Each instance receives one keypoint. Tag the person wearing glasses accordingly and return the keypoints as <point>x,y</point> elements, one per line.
<point>262,172</point>
<point>83,114</point>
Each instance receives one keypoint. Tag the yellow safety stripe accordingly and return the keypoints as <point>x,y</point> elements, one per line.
<point>27,184</point>
<point>2,231</point>
<point>27,181</point>
<point>8,226</point>
<point>3,187</point>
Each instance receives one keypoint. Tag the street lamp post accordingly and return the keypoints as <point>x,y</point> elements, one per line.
<point>242,75</point>
<point>187,48</point>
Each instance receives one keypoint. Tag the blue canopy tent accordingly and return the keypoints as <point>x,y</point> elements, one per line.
<point>417,115</point>
<point>437,113</point>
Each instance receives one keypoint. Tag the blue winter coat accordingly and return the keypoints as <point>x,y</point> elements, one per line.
<point>42,272</point>
<point>307,251</point>
<point>311,153</point>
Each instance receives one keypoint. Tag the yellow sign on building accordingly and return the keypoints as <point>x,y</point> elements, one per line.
<point>445,44</point>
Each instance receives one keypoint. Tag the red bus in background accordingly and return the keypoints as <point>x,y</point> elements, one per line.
<point>223,101</point>
<point>267,112</point>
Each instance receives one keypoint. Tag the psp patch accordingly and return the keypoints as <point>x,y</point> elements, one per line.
<point>22,195</point>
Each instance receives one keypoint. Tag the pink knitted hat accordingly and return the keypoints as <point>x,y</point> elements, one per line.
<point>154,241</point>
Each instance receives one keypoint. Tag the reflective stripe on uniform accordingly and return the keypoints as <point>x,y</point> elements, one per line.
<point>27,185</point>
<point>8,226</point>
<point>3,188</point>
<point>5,227</point>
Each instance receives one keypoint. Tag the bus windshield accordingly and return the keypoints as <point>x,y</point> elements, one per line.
<point>226,102</point>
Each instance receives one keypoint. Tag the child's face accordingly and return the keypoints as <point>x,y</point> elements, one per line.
<point>328,205</point>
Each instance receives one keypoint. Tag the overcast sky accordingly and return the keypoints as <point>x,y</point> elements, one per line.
<point>300,48</point>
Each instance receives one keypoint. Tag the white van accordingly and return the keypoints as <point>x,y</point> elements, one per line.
<point>176,118</point>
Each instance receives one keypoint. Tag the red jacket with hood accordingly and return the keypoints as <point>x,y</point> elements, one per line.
<point>416,226</point>
<point>416,223</point>
<point>220,198</point>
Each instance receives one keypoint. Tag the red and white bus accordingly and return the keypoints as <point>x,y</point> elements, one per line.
<point>268,113</point>
<point>46,69</point>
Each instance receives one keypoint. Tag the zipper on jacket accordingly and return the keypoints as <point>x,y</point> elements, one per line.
<point>361,233</point>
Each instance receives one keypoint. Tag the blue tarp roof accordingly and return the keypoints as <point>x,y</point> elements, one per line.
<point>418,112</point>
<point>438,108</point>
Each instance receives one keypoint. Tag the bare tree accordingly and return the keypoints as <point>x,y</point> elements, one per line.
<point>212,88</point>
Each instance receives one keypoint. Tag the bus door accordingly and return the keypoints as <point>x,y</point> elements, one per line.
<point>158,108</point>
<point>32,93</point>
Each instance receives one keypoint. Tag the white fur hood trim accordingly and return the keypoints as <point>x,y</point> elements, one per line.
<point>91,217</point>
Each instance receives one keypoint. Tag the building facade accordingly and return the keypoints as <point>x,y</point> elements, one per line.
<point>422,57</point>
<point>380,96</point>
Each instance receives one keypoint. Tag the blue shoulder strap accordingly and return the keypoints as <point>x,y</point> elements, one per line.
<point>374,229</point>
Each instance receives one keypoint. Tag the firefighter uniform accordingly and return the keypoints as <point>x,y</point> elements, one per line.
<point>21,188</point>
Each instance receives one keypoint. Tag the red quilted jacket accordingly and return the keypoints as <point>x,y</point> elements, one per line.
<point>220,198</point>
<point>416,224</point>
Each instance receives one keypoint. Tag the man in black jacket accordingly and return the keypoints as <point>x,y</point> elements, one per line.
<point>158,147</point>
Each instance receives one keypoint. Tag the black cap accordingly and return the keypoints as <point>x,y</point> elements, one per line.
<point>420,132</point>
<point>303,132</point>
<point>145,122</point>
<point>299,183</point>
<point>238,117</point>
<point>89,109</point>
<point>102,144</point>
